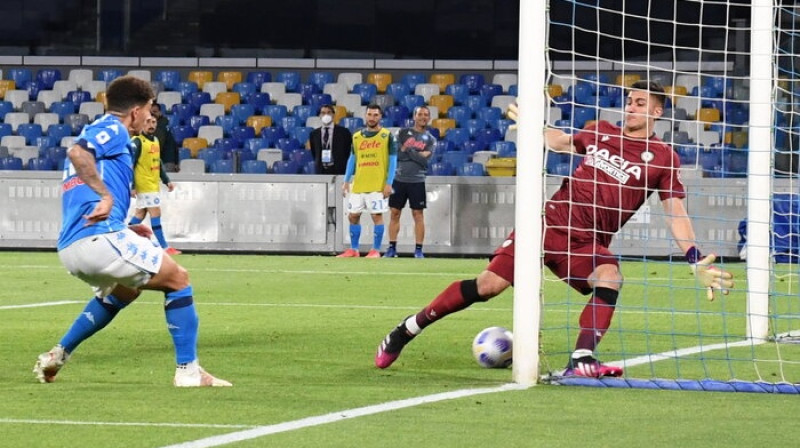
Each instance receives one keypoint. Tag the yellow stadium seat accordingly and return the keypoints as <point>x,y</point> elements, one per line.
<point>443,125</point>
<point>228,99</point>
<point>229,78</point>
<point>708,115</point>
<point>381,80</point>
<point>627,80</point>
<point>739,139</point>
<point>554,90</point>
<point>339,112</point>
<point>259,121</point>
<point>443,80</point>
<point>443,102</point>
<point>101,98</point>
<point>200,77</point>
<point>195,144</point>
<point>6,84</point>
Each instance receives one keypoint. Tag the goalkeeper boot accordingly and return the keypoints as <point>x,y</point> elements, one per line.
<point>48,364</point>
<point>391,346</point>
<point>583,363</point>
<point>192,375</point>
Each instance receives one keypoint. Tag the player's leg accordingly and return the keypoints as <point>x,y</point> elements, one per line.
<point>417,202</point>
<point>396,203</point>
<point>355,205</point>
<point>158,230</point>
<point>497,277</point>
<point>182,323</point>
<point>378,205</point>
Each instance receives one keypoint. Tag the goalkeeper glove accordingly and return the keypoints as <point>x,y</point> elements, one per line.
<point>711,277</point>
<point>513,113</point>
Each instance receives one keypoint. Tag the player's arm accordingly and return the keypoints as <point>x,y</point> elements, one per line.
<point>391,170</point>
<point>707,274</point>
<point>84,164</point>
<point>554,139</point>
<point>349,172</point>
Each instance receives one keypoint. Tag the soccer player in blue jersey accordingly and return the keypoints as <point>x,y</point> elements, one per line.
<point>118,261</point>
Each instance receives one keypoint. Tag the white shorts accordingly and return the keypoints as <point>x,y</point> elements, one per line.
<point>374,203</point>
<point>108,259</point>
<point>148,200</point>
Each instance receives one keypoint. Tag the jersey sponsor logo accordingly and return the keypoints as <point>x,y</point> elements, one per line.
<point>71,183</point>
<point>613,165</point>
<point>372,163</point>
<point>369,144</point>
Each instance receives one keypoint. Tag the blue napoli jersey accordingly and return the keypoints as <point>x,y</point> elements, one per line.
<point>108,139</point>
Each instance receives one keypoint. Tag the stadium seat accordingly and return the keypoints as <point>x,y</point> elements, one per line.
<point>382,100</point>
<point>287,144</point>
<point>269,156</point>
<point>77,122</point>
<point>274,89</point>
<point>5,129</point>
<point>242,133</point>
<point>506,80</point>
<point>211,132</point>
<point>427,90</point>
<point>319,79</point>
<point>25,153</point>
<point>31,131</point>
<point>222,166</point>
<point>276,112</point>
<point>41,164</point>
<point>48,76</point>
<point>196,121</point>
<point>473,81</point>
<point>581,115</point>
<point>380,80</point>
<point>504,148</point>
<point>459,92</point>
<point>258,78</point>
<point>303,112</point>
<point>63,108</point>
<point>289,123</point>
<point>399,89</point>
<point>411,80</point>
<point>272,134</point>
<point>181,132</point>
<point>290,79</point>
<point>301,156</point>
<point>17,97</point>
<point>257,122</point>
<point>472,146</point>
<point>442,102</point>
<point>255,144</point>
<point>443,125</point>
<point>213,88</point>
<point>12,141</point>
<point>169,78</point>
<point>490,114</point>
<point>183,112</point>
<point>285,167</point>
<point>470,169</point>
<point>302,134</point>
<point>339,112</point>
<point>352,123</point>
<point>32,108</point>
<point>59,131</point>
<point>441,169</point>
<point>442,80</point>
<point>212,111</point>
<point>11,164</point>
<point>194,145</point>
<point>108,74</point>
<point>17,118</point>
<point>6,85</point>
<point>91,109</point>
<point>502,102</point>
<point>230,78</point>
<point>169,99</point>
<point>20,75</point>
<point>254,167</point>
<point>349,79</point>
<point>483,156</point>
<point>200,77</point>
<point>242,111</point>
<point>259,100</point>
<point>245,90</point>
<point>290,100</point>
<point>457,135</point>
<point>396,114</point>
<point>192,166</point>
<point>78,96</point>
<point>366,91</point>
<point>142,74</point>
<point>708,115</point>
<point>197,99</point>
<point>186,88</point>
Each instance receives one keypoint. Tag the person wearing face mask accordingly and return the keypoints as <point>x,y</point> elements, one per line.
<point>330,144</point>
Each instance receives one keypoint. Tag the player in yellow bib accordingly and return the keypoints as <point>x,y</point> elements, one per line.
<point>368,179</point>
<point>147,172</point>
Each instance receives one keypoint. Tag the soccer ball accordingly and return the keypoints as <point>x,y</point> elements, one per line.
<point>493,347</point>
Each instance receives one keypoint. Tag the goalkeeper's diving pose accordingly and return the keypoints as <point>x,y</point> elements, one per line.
<point>622,167</point>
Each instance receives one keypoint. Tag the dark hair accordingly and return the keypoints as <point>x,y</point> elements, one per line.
<point>127,92</point>
<point>375,107</point>
<point>653,88</point>
<point>416,109</point>
<point>329,107</point>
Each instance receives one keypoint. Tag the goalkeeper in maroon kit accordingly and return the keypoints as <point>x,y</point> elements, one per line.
<point>622,167</point>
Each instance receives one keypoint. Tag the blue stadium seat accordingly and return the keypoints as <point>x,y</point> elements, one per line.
<point>11,163</point>
<point>5,107</point>
<point>285,167</point>
<point>186,88</point>
<point>441,169</point>
<point>290,122</point>
<point>687,154</point>
<point>258,78</point>
<point>473,81</point>
<point>290,79</point>
<point>318,100</point>
<point>366,91</point>
<point>412,102</point>
<point>301,156</point>
<point>488,136</point>
<point>195,121</point>
<point>321,78</point>
<point>307,90</point>
<point>62,108</point>
<point>31,131</point>
<point>443,146</point>
<point>254,167</point>
<point>184,153</point>
<point>45,141</point>
<point>20,76</point>
<point>59,131</point>
<point>352,123</point>
<point>241,134</point>
<point>227,122</point>
<point>461,114</point>
<point>470,169</point>
<point>181,132</point>
<point>245,90</point>
<point>411,80</point>
<point>459,92</point>
<point>473,125</point>
<point>734,162</point>
<point>581,115</point>
<point>169,78</point>
<point>259,100</point>
<point>41,164</point>
<point>6,129</point>
<point>490,91</point>
<point>47,77</point>
<point>398,90</point>
<point>397,114</point>
<point>184,112</point>
<point>302,112</point>
<point>197,99</point>
<point>209,155</point>
<point>33,87</point>
<point>222,166</point>
<point>271,135</point>
<point>455,158</point>
<point>254,144</point>
<point>287,144</point>
<point>489,114</point>
<point>302,134</point>
<point>475,103</point>
<point>501,125</point>
<point>472,146</point>
<point>276,112</point>
<point>108,74</point>
<point>78,96</point>
<point>242,111</point>
<point>225,146</point>
<point>309,168</point>
<point>504,148</point>
<point>457,135</point>
<point>513,90</point>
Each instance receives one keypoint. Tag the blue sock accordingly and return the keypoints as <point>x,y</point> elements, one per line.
<point>95,316</point>
<point>378,237</point>
<point>156,223</point>
<point>182,323</point>
<point>135,220</point>
<point>355,235</point>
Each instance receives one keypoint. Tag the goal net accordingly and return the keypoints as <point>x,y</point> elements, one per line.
<point>731,71</point>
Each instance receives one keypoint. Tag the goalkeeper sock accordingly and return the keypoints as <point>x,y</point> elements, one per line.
<point>135,220</point>
<point>95,316</point>
<point>158,231</point>
<point>596,318</point>
<point>456,297</point>
<point>378,237</point>
<point>182,323</point>
<point>355,235</point>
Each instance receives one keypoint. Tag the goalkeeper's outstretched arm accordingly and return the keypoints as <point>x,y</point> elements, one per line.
<point>554,139</point>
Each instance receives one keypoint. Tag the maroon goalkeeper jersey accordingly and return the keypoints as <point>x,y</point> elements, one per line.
<point>615,178</point>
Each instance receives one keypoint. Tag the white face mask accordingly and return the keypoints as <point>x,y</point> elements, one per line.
<point>326,119</point>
